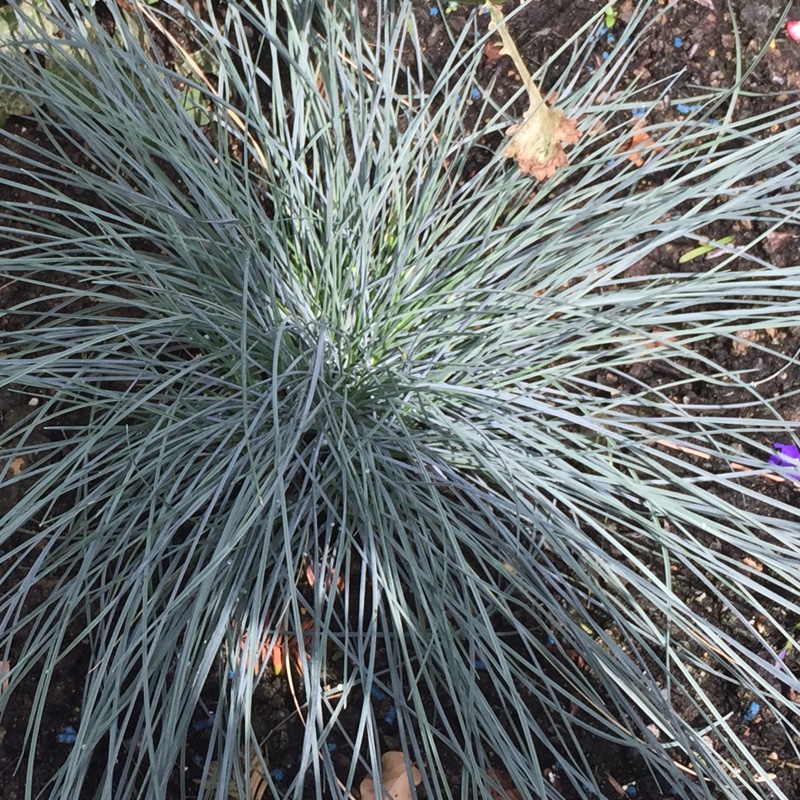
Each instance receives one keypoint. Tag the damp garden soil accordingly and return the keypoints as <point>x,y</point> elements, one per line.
<point>696,45</point>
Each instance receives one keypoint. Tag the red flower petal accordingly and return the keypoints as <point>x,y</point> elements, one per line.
<point>793,29</point>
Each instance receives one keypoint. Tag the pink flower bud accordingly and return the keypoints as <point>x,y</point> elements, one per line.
<point>793,29</point>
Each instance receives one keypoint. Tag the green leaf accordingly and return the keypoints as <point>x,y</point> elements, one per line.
<point>195,103</point>
<point>701,250</point>
<point>610,17</point>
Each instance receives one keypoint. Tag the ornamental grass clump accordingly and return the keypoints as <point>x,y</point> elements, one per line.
<point>296,359</point>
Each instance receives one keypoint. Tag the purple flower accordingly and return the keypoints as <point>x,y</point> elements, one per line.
<point>789,456</point>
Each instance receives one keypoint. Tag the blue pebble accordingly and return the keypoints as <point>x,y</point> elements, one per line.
<point>604,54</point>
<point>230,674</point>
<point>678,41</point>
<point>603,29</point>
<point>68,736</point>
<point>630,791</point>
<point>331,747</point>
<point>198,759</point>
<point>752,712</point>
<point>459,99</point>
<point>479,664</point>
<point>391,716</point>
<point>683,108</point>
<point>203,724</point>
<point>611,38</point>
<point>475,94</point>
<point>639,112</point>
<point>376,693</point>
<point>713,122</point>
<point>278,774</point>
<point>550,639</point>
<point>434,12</point>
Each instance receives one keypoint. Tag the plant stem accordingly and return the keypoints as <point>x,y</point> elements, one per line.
<point>510,47</point>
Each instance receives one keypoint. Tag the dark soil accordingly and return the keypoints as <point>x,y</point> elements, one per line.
<point>694,43</point>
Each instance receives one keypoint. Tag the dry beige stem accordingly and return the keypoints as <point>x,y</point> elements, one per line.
<point>537,146</point>
<point>395,778</point>
<point>537,143</point>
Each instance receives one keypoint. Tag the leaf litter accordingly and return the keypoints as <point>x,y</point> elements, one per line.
<point>397,780</point>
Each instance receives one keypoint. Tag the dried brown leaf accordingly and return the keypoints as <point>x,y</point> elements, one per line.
<point>537,143</point>
<point>277,656</point>
<point>493,52</point>
<point>775,240</point>
<point>509,790</point>
<point>753,564</point>
<point>17,465</point>
<point>395,778</point>
<point>641,142</point>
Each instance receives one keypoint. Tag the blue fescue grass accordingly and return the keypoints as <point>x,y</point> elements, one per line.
<point>298,336</point>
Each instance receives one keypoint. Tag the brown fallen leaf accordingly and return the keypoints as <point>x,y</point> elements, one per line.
<point>510,792</point>
<point>775,240</point>
<point>17,465</point>
<point>753,564</point>
<point>284,647</point>
<point>660,342</point>
<point>311,577</point>
<point>537,140</point>
<point>641,142</point>
<point>277,656</point>
<point>493,52</point>
<point>395,778</point>
<point>537,143</point>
